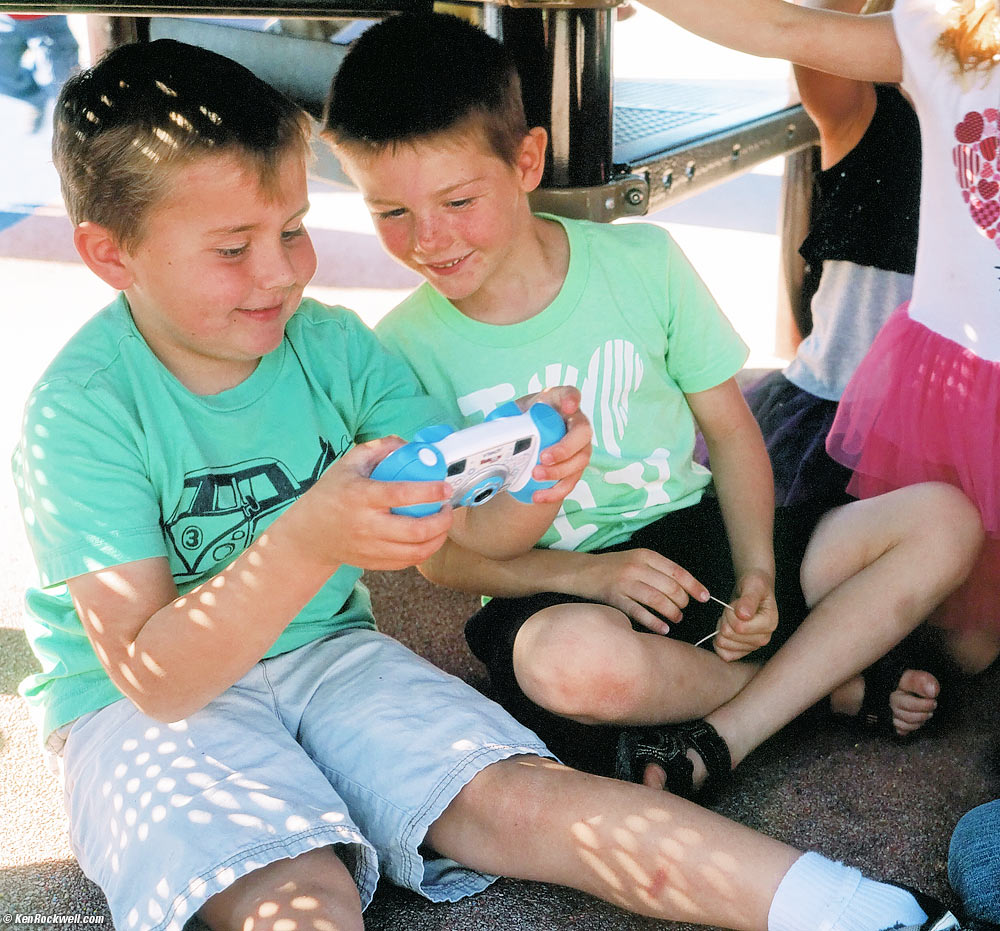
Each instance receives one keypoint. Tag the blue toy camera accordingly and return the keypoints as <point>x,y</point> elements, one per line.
<point>479,461</point>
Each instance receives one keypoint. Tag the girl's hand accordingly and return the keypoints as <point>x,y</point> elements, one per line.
<point>754,619</point>
<point>345,518</point>
<point>562,462</point>
<point>639,582</point>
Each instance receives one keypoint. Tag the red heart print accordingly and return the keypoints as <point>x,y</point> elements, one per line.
<point>985,214</point>
<point>977,170</point>
<point>968,162</point>
<point>971,128</point>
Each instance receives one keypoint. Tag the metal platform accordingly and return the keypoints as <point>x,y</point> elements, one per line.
<point>616,148</point>
<point>671,139</point>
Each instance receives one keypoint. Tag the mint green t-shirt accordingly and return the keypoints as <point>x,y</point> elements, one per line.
<point>634,328</point>
<point>118,461</point>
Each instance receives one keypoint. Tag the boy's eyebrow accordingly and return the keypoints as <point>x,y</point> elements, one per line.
<point>441,192</point>
<point>223,230</point>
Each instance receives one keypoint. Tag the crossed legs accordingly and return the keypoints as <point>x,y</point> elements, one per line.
<point>872,572</point>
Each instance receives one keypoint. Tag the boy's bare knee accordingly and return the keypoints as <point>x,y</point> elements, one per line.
<point>476,828</point>
<point>314,890</point>
<point>580,661</point>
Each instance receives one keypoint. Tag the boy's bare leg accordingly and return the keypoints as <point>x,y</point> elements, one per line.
<point>311,892</point>
<point>873,570</point>
<point>647,851</point>
<point>585,662</point>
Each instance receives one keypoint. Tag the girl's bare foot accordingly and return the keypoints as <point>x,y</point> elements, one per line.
<point>912,703</point>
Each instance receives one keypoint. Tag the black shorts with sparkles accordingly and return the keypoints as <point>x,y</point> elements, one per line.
<point>694,538</point>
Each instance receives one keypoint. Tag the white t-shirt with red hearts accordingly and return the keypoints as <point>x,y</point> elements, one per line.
<point>956,290</point>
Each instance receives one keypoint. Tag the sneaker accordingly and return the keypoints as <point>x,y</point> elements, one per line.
<point>941,919</point>
<point>941,922</point>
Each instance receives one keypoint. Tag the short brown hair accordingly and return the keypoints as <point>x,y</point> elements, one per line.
<point>122,126</point>
<point>417,75</point>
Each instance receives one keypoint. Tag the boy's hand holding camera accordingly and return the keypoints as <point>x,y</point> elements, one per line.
<point>346,518</point>
<point>562,462</point>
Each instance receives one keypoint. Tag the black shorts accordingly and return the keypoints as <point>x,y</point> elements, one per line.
<point>694,538</point>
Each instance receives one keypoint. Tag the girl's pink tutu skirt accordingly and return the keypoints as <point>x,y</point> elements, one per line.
<point>921,408</point>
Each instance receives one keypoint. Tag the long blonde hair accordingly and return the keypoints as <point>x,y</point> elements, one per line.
<point>973,35</point>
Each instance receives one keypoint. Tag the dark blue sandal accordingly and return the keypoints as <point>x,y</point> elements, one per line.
<point>667,746</point>
<point>881,679</point>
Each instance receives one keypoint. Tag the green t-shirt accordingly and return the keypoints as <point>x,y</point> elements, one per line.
<point>634,328</point>
<point>118,461</point>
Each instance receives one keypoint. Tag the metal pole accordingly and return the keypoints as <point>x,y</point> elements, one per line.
<point>564,58</point>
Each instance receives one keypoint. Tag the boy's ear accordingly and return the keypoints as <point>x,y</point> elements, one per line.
<point>531,158</point>
<point>102,254</point>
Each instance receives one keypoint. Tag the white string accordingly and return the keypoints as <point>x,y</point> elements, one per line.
<point>714,632</point>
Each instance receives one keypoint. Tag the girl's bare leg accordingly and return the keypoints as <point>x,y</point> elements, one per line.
<point>873,571</point>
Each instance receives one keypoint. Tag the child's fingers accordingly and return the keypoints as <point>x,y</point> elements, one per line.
<point>730,651</point>
<point>564,398</point>
<point>761,624</point>
<point>737,637</point>
<point>400,555</point>
<point>750,598</point>
<point>387,495</point>
<point>754,594</point>
<point>383,540</point>
<point>575,443</point>
<point>384,494</point>
<point>555,493</point>
<point>641,615</point>
<point>641,581</point>
<point>363,457</point>
<point>667,569</point>
<point>668,600</point>
<point>569,469</point>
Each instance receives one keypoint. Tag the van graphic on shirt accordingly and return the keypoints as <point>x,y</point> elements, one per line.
<point>221,507</point>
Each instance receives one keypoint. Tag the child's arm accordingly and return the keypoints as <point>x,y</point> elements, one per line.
<point>173,654</point>
<point>636,581</point>
<point>860,47</point>
<point>841,108</point>
<point>745,487</point>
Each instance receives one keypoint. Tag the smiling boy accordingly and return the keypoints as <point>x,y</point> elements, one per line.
<point>601,624</point>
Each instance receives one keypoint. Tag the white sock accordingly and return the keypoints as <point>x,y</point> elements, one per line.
<point>817,894</point>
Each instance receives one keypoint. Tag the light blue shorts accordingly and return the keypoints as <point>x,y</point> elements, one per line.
<point>353,740</point>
